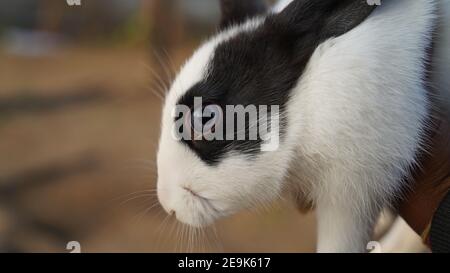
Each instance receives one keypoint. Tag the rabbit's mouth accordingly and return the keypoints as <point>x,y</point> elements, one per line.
<point>190,207</point>
<point>204,211</point>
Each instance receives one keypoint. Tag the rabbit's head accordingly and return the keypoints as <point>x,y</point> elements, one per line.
<point>224,143</point>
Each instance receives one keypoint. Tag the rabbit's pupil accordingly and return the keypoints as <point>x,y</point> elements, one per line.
<point>203,120</point>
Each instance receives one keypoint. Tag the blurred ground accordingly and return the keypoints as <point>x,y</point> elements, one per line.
<point>80,103</point>
<point>78,132</point>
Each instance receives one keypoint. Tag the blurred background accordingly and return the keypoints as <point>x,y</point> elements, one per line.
<point>80,97</point>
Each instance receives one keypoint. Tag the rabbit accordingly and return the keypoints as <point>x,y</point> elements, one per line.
<point>349,83</point>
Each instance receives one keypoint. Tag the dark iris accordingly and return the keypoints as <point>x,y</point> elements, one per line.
<point>204,120</point>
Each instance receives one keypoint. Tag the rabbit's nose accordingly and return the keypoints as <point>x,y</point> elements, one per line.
<point>164,198</point>
<point>173,213</point>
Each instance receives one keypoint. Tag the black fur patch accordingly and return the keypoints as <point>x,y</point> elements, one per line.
<point>261,67</point>
<point>237,11</point>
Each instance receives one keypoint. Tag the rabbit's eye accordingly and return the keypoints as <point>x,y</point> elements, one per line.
<point>203,120</point>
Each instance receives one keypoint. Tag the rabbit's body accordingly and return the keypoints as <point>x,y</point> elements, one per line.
<point>440,69</point>
<point>354,119</point>
<point>360,113</point>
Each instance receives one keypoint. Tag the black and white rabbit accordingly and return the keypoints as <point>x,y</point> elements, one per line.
<point>349,80</point>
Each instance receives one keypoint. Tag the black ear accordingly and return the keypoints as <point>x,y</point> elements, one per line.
<point>236,11</point>
<point>321,19</point>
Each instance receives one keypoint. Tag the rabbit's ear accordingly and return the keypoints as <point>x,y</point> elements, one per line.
<point>320,19</point>
<point>237,11</point>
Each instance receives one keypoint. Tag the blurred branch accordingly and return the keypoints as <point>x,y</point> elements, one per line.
<point>50,15</point>
<point>22,104</point>
<point>11,185</point>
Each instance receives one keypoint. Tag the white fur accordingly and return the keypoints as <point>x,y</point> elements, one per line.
<point>178,167</point>
<point>356,119</point>
<point>358,115</point>
<point>400,238</point>
<point>441,61</point>
<point>280,5</point>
